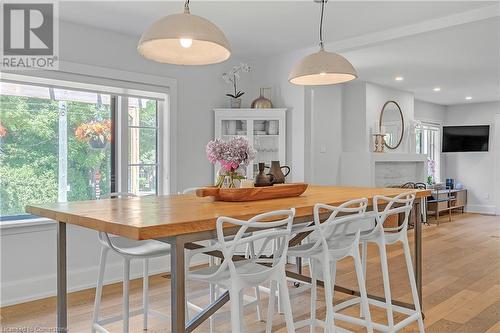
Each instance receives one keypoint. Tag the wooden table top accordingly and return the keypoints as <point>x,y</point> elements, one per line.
<point>162,216</point>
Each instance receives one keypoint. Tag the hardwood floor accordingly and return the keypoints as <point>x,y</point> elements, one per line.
<point>461,288</point>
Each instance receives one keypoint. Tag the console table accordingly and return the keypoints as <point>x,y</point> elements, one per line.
<point>446,200</point>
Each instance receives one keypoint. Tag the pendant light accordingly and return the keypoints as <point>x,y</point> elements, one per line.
<point>322,67</point>
<point>184,39</point>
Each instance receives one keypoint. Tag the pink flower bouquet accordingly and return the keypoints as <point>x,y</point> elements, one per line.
<point>231,155</point>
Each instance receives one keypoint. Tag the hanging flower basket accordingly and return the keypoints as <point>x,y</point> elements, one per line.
<point>98,143</point>
<point>97,134</point>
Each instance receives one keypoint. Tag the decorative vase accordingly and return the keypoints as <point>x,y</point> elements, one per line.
<point>235,103</point>
<point>262,179</point>
<point>261,102</point>
<point>98,143</point>
<point>379,143</point>
<point>229,179</point>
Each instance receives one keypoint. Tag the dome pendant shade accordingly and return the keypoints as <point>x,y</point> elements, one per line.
<point>322,68</point>
<point>184,39</point>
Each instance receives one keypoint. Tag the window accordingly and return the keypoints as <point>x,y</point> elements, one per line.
<point>428,142</point>
<point>142,139</point>
<point>58,145</point>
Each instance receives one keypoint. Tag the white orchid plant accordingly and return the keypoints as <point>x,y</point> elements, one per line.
<point>233,76</point>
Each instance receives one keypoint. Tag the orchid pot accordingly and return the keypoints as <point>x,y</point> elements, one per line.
<point>235,103</point>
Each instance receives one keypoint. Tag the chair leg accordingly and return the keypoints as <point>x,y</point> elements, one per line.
<point>125,305</point>
<point>314,295</point>
<point>327,279</point>
<point>362,291</point>
<point>234,295</point>
<point>98,290</point>
<point>287,306</point>
<point>242,309</point>
<point>258,307</point>
<point>270,308</point>
<point>364,256</point>
<point>280,310</point>
<point>213,297</point>
<point>413,284</point>
<point>387,285</point>
<point>145,293</point>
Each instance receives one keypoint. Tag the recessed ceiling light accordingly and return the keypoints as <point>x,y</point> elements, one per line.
<point>437,89</point>
<point>399,78</point>
<point>468,98</point>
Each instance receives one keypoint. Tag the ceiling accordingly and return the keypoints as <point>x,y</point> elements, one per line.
<point>451,44</point>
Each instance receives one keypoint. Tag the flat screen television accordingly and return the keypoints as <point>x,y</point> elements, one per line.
<point>465,138</point>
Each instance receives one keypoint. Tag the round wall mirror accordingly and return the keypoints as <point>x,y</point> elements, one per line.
<point>392,124</point>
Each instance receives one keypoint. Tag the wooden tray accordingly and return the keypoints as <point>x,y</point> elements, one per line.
<point>253,193</point>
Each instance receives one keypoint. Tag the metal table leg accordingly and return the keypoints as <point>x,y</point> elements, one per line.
<point>177,269</point>
<point>62,307</point>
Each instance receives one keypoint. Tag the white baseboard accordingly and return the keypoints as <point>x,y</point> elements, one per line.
<point>481,209</point>
<point>38,287</point>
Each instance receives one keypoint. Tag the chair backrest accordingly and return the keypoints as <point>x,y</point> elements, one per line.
<point>336,225</point>
<point>408,185</point>
<point>261,230</point>
<point>400,204</point>
<point>420,186</point>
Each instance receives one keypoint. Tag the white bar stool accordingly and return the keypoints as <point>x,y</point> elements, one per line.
<point>214,290</point>
<point>331,244</point>
<point>235,276</point>
<point>128,249</point>
<point>401,204</point>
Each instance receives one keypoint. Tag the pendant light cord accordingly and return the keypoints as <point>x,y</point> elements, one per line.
<point>321,24</point>
<point>186,7</point>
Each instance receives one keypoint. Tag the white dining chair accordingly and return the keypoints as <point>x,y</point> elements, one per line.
<point>214,290</point>
<point>329,242</point>
<point>127,249</point>
<point>236,274</point>
<point>385,207</point>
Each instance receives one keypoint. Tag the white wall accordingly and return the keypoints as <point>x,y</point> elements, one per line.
<point>354,112</point>
<point>323,135</point>
<point>429,112</point>
<point>475,170</point>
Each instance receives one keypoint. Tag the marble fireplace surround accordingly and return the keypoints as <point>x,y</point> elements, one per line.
<point>382,169</point>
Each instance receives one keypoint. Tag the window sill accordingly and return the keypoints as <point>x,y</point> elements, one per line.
<point>26,225</point>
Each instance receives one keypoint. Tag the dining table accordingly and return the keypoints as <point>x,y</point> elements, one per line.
<point>184,220</point>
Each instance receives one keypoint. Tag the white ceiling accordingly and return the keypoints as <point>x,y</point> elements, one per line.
<point>451,44</point>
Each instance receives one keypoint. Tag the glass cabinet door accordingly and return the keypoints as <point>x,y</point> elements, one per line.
<point>266,141</point>
<point>232,127</point>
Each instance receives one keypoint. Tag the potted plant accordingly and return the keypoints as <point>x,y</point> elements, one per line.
<point>231,155</point>
<point>232,78</point>
<point>97,134</point>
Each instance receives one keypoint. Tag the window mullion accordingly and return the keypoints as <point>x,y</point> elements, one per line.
<point>122,144</point>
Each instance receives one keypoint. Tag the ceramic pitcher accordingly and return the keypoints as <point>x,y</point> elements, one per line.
<point>275,171</point>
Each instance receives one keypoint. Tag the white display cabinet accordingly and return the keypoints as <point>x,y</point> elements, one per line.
<point>265,129</point>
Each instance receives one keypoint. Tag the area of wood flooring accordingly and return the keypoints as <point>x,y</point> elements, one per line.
<point>461,288</point>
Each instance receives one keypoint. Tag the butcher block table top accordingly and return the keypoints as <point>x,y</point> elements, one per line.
<point>164,216</point>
